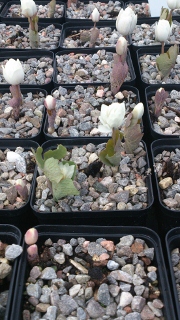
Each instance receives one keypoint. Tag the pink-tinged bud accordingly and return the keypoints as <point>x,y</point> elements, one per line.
<point>50,102</point>
<point>121,46</point>
<point>32,252</point>
<point>31,236</point>
<point>22,189</point>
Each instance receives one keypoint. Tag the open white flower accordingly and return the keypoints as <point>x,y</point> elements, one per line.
<point>67,170</point>
<point>162,30</point>
<point>121,46</point>
<point>95,15</point>
<point>173,4</point>
<point>111,116</point>
<point>126,21</point>
<point>138,111</point>
<point>28,8</point>
<point>13,72</point>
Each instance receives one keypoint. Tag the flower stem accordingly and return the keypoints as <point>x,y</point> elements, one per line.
<point>33,32</point>
<point>16,101</point>
<point>162,47</point>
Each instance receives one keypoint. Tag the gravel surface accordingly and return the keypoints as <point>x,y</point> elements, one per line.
<point>168,123</point>
<point>108,10</point>
<point>17,37</point>
<point>149,72</point>
<point>112,188</point>
<point>30,120</point>
<point>84,67</point>
<point>175,257</point>
<point>100,279</point>
<point>107,38</point>
<point>167,166</point>
<point>144,35</point>
<point>78,110</point>
<point>141,9</point>
<point>37,71</point>
<point>14,11</point>
<point>21,168</point>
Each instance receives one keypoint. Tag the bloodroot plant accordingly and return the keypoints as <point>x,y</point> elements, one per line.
<point>14,74</point>
<point>29,10</point>
<point>111,118</point>
<point>52,7</point>
<point>30,238</point>
<point>59,174</point>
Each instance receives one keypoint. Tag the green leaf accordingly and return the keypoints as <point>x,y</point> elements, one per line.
<point>52,170</point>
<point>58,153</point>
<point>64,188</point>
<point>166,61</point>
<point>109,156</point>
<point>38,156</point>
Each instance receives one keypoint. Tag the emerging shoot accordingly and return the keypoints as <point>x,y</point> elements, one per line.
<point>51,9</point>
<point>50,104</point>
<point>29,10</point>
<point>95,16</point>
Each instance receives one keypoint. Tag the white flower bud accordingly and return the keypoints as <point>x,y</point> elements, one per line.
<point>111,116</point>
<point>13,72</point>
<point>50,102</point>
<point>173,4</point>
<point>138,111</point>
<point>95,15</point>
<point>121,46</point>
<point>126,21</point>
<point>28,8</point>
<point>162,30</point>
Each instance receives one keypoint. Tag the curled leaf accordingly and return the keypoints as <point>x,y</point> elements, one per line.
<point>132,135</point>
<point>118,74</point>
<point>159,100</point>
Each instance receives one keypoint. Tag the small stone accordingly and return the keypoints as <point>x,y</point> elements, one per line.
<point>165,183</point>
<point>13,251</point>
<point>125,299</point>
<point>48,274</point>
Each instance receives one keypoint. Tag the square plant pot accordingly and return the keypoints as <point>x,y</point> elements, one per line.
<point>14,34</point>
<point>165,156</point>
<point>87,66</point>
<point>9,234</point>
<point>108,10</point>
<point>12,11</point>
<point>30,124</point>
<point>147,73</point>
<point>78,108</point>
<point>15,207</point>
<point>172,248</point>
<point>78,36</point>
<point>99,197</point>
<point>167,124</point>
<point>38,68</point>
<point>94,237</point>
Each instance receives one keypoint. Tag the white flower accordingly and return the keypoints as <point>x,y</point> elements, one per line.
<point>138,111</point>
<point>111,116</point>
<point>121,46</point>
<point>126,21</point>
<point>162,30</point>
<point>95,15</point>
<point>28,8</point>
<point>67,170</point>
<point>173,4</point>
<point>13,72</point>
<point>50,102</point>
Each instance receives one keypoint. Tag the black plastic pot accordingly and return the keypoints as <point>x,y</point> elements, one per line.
<point>87,137</point>
<point>154,51</point>
<point>85,3</point>
<point>18,18</point>
<point>168,218</point>
<point>92,233</point>
<point>172,242</point>
<point>11,235</point>
<point>103,217</point>
<point>70,29</point>
<point>24,56</point>
<point>41,26</point>
<point>84,52</point>
<point>39,136</point>
<point>18,217</point>
<point>149,92</point>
